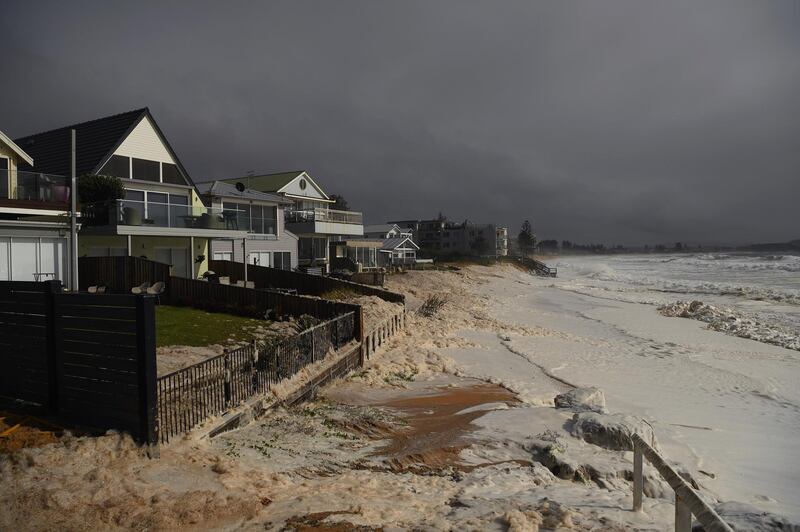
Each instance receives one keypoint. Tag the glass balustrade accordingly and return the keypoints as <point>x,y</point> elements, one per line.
<point>34,187</point>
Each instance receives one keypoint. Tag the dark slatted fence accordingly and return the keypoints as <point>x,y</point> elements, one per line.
<point>248,301</point>
<point>120,274</point>
<point>84,359</point>
<point>304,283</point>
<point>26,344</point>
<point>106,361</point>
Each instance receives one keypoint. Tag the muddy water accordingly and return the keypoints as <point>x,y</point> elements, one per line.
<point>438,425</point>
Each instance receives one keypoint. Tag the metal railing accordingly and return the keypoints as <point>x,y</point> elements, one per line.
<point>190,395</point>
<point>687,502</point>
<point>323,215</point>
<point>34,186</point>
<point>155,214</point>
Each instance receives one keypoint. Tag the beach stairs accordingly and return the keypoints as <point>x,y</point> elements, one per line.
<point>538,267</point>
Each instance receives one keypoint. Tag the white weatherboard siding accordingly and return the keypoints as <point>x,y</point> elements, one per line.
<point>144,143</point>
<point>311,190</point>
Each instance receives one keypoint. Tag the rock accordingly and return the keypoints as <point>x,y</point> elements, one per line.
<point>611,431</point>
<point>582,400</point>
<point>743,517</point>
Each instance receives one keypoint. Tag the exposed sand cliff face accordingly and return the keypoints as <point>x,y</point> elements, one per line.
<point>450,426</point>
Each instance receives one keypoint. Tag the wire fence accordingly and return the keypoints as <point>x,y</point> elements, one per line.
<point>191,395</point>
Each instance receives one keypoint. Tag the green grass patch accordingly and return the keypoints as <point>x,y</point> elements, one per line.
<point>193,327</point>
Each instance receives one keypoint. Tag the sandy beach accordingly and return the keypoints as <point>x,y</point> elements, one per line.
<point>452,426</point>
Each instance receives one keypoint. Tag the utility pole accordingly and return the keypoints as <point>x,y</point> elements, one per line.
<point>73,218</point>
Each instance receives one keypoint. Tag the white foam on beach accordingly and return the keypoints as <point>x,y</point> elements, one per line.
<point>725,405</point>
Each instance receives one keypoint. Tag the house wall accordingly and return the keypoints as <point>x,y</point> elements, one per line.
<point>293,188</point>
<point>144,143</point>
<point>145,246</point>
<point>286,243</point>
<point>8,153</point>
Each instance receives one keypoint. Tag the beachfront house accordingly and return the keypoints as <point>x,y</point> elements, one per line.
<point>310,216</point>
<point>398,251</point>
<point>442,238</point>
<point>384,231</point>
<point>268,243</point>
<point>34,228</point>
<point>161,216</point>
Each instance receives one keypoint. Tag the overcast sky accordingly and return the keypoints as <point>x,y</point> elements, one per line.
<point>617,122</point>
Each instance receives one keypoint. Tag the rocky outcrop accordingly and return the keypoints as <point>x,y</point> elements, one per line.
<point>582,400</point>
<point>611,431</point>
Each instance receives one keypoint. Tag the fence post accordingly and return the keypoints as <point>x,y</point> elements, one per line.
<point>313,346</point>
<point>359,324</point>
<point>683,515</point>
<point>638,477</point>
<point>53,341</point>
<point>146,361</point>
<point>253,364</point>
<point>227,386</point>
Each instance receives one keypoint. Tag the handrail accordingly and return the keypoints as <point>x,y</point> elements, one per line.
<point>687,502</point>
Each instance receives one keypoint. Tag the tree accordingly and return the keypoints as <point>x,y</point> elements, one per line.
<point>341,203</point>
<point>526,239</point>
<point>96,194</point>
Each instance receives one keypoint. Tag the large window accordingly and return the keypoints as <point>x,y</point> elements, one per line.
<point>118,166</point>
<point>264,220</point>
<point>155,208</point>
<point>171,174</point>
<point>146,170</point>
<point>32,258</point>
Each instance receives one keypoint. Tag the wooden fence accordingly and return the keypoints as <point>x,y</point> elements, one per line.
<point>687,501</point>
<point>120,274</point>
<point>189,396</point>
<point>84,359</point>
<point>304,283</point>
<point>374,339</point>
<point>248,301</point>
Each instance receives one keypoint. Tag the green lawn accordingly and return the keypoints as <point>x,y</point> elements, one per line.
<point>188,326</point>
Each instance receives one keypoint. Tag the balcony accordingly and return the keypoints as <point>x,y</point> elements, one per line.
<point>33,190</point>
<point>324,221</point>
<point>140,217</point>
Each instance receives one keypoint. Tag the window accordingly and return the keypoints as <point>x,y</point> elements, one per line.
<point>156,208</point>
<point>259,258</point>
<point>238,214</point>
<point>146,170</point>
<point>282,260</point>
<point>118,166</point>
<point>223,255</point>
<point>3,177</point>
<point>171,174</point>
<point>264,219</point>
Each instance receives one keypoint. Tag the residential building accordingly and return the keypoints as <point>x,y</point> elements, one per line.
<point>355,254</point>
<point>161,217</point>
<point>310,217</point>
<point>34,224</point>
<point>502,241</point>
<point>440,237</point>
<point>384,231</point>
<point>398,251</point>
<point>268,243</point>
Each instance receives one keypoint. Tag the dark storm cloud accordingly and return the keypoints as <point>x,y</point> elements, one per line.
<point>609,121</point>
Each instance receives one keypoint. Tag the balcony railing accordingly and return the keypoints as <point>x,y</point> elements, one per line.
<point>34,187</point>
<point>324,215</point>
<point>153,214</point>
